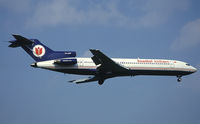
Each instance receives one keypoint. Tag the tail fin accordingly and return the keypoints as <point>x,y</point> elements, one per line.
<point>37,50</point>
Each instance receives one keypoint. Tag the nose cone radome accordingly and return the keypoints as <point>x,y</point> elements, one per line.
<point>194,69</point>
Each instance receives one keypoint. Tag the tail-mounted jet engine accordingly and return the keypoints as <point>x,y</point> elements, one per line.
<point>65,61</point>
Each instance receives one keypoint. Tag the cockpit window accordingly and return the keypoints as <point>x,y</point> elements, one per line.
<point>188,64</point>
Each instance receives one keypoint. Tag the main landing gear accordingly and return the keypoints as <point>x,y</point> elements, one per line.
<point>100,81</point>
<point>179,78</point>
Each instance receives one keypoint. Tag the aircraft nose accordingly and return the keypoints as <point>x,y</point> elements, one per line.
<point>194,69</point>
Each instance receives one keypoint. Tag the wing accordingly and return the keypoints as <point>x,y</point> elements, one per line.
<point>89,79</point>
<point>107,64</point>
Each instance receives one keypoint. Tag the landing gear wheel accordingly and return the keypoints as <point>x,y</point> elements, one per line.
<point>101,81</point>
<point>179,79</point>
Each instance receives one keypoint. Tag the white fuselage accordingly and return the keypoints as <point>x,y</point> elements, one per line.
<point>86,66</point>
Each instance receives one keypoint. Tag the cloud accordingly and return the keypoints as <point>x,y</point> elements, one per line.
<point>160,11</point>
<point>150,13</point>
<point>87,54</point>
<point>189,36</point>
<point>62,12</point>
<point>16,6</point>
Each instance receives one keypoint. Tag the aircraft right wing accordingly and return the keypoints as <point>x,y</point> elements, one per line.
<point>90,79</point>
<point>85,80</point>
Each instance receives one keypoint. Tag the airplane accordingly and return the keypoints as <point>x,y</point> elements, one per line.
<point>100,67</point>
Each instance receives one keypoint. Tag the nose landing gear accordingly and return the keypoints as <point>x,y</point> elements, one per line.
<point>101,81</point>
<point>179,78</point>
<point>179,81</point>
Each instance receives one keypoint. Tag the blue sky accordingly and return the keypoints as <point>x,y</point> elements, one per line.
<point>166,29</point>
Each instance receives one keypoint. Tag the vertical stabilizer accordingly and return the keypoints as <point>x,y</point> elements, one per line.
<point>37,50</point>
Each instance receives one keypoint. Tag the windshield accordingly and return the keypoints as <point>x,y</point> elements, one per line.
<point>188,64</point>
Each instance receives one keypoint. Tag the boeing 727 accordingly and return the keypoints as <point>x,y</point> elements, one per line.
<point>99,66</point>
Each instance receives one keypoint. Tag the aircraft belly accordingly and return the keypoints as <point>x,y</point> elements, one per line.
<point>77,71</point>
<point>160,72</point>
<point>132,72</point>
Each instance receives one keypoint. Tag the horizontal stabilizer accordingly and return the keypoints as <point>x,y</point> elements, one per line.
<point>19,41</point>
<point>14,44</point>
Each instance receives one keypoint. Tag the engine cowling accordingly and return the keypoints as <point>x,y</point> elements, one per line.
<point>66,61</point>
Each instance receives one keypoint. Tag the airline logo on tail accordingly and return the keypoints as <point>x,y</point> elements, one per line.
<point>38,51</point>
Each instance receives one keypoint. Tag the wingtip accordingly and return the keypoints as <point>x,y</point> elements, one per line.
<point>72,81</point>
<point>15,35</point>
